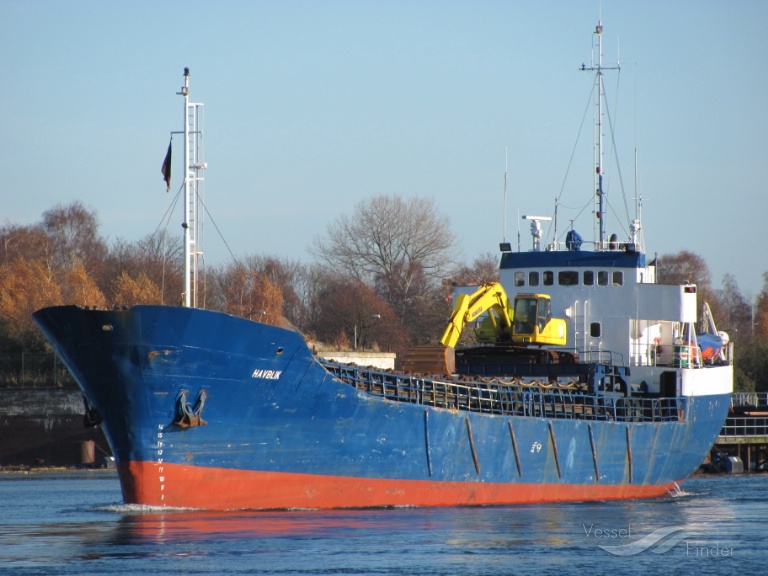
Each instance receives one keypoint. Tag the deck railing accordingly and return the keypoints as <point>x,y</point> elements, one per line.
<point>507,399</point>
<point>749,399</point>
<point>745,426</point>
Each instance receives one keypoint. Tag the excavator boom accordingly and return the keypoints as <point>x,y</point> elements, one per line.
<point>490,298</point>
<point>528,322</point>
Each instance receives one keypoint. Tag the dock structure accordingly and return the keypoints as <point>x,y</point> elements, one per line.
<point>745,432</point>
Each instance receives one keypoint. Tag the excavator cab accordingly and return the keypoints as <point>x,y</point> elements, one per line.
<point>526,315</point>
<point>533,322</point>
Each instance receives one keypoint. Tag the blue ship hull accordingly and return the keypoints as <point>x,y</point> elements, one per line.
<point>206,410</point>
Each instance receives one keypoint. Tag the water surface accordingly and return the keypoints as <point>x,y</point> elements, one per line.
<point>76,524</point>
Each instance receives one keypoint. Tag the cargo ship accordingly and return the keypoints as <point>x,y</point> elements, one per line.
<point>586,380</point>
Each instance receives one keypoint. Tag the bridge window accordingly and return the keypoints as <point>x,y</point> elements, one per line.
<point>602,278</point>
<point>533,279</point>
<point>549,278</point>
<point>519,278</point>
<point>589,278</point>
<point>568,278</point>
<point>618,278</point>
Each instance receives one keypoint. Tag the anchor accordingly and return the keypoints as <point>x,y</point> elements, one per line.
<point>188,415</point>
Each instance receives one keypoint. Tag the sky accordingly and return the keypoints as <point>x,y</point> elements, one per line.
<point>312,107</point>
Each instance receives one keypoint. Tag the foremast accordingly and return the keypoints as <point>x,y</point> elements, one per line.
<point>193,187</point>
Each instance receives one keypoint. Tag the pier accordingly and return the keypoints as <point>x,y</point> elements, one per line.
<point>745,432</point>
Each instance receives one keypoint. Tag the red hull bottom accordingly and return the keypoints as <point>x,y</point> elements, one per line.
<point>176,485</point>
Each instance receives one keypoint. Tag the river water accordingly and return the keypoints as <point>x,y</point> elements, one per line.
<point>75,523</point>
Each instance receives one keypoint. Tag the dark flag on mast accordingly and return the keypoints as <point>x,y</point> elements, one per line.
<point>166,169</point>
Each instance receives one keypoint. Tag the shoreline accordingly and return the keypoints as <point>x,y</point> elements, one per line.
<point>53,470</point>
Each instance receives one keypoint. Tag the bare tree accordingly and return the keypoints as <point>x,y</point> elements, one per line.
<point>687,267</point>
<point>483,269</point>
<point>761,312</point>
<point>312,288</point>
<point>74,232</point>
<point>751,369</point>
<point>683,267</point>
<point>737,313</point>
<point>403,247</point>
<point>28,242</point>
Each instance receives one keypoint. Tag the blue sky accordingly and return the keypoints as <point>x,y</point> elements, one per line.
<point>313,106</point>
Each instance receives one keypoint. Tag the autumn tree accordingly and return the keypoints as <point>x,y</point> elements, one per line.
<point>158,256</point>
<point>79,288</point>
<point>25,287</point>
<point>130,291</point>
<point>248,293</point>
<point>290,277</point>
<point>351,314</point>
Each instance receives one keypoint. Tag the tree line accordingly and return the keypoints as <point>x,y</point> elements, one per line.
<point>382,278</point>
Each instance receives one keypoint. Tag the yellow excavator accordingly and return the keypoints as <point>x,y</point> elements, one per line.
<point>529,321</point>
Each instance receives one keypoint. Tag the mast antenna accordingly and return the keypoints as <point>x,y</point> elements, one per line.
<point>636,224</point>
<point>554,224</point>
<point>506,159</point>
<point>599,173</point>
